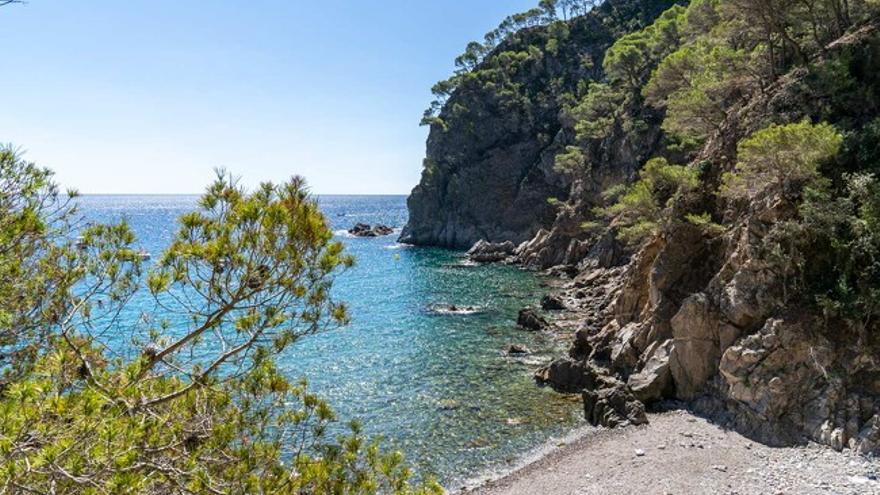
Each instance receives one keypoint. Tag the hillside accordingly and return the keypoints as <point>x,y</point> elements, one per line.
<point>710,191</point>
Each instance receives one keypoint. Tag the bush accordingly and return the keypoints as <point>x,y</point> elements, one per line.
<point>645,208</point>
<point>846,229</point>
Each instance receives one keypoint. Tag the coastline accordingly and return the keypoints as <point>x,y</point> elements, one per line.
<point>678,451</point>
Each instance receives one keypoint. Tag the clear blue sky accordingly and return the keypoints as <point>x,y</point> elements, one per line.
<point>148,96</point>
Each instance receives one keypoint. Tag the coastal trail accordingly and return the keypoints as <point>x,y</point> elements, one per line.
<point>678,453</point>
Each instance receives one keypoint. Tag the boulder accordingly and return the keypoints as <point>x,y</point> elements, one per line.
<point>365,230</point>
<point>383,230</point>
<point>613,407</point>
<point>487,252</point>
<point>654,381</point>
<point>530,320</point>
<point>552,303</point>
<point>568,376</point>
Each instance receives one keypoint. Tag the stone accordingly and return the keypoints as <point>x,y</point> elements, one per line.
<point>517,350</point>
<point>365,230</point>
<point>530,320</point>
<point>696,350</point>
<point>567,376</point>
<point>552,303</point>
<point>613,407</point>
<point>654,381</point>
<point>487,252</point>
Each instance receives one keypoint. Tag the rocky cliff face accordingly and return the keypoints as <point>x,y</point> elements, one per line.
<point>489,169</point>
<point>704,320</point>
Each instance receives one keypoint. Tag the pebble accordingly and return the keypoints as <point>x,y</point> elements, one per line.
<point>640,453</point>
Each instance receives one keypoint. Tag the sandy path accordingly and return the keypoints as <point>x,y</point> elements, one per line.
<point>682,454</point>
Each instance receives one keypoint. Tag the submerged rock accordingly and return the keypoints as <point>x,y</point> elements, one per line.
<point>453,309</point>
<point>530,320</point>
<point>365,230</point>
<point>517,350</point>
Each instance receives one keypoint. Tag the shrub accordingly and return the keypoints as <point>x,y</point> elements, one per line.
<point>645,208</point>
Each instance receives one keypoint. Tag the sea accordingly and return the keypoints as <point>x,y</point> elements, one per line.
<point>437,386</point>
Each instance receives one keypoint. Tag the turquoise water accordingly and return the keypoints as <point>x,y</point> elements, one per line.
<point>438,388</point>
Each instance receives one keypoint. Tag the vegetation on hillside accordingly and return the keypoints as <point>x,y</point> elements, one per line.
<point>717,55</point>
<point>690,71</point>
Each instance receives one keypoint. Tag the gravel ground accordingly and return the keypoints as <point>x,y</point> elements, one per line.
<point>679,453</point>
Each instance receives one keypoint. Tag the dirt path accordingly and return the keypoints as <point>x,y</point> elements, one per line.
<point>682,454</point>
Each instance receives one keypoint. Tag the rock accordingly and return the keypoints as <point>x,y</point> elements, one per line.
<point>567,376</point>
<point>552,303</point>
<point>696,351</point>
<point>613,407</point>
<point>517,350</point>
<point>531,320</point>
<point>868,441</point>
<point>487,252</point>
<point>640,453</point>
<point>563,271</point>
<point>582,347</point>
<point>383,230</point>
<point>654,381</point>
<point>365,230</point>
<point>361,230</point>
<point>453,309</point>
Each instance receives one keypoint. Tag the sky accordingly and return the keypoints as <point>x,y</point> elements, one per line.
<point>150,96</point>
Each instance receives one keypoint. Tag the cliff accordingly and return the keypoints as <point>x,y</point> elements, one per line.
<point>489,167</point>
<point>757,307</point>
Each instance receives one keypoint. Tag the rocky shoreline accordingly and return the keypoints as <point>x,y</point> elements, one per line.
<point>630,351</point>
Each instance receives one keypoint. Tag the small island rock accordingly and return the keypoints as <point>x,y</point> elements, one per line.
<point>365,230</point>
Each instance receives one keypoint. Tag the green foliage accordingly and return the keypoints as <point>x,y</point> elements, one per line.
<point>645,208</point>
<point>790,31</point>
<point>571,161</point>
<point>195,404</point>
<point>695,84</point>
<point>781,159</point>
<point>610,105</point>
<point>629,61</point>
<point>860,150</point>
<point>597,114</point>
<point>849,227</point>
<point>705,223</point>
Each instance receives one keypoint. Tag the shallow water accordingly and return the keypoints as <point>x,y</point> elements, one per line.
<point>435,385</point>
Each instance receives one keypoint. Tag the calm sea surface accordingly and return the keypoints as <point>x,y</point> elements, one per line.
<point>438,388</point>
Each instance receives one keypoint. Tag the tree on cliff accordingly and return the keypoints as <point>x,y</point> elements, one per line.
<point>187,399</point>
<point>781,159</point>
